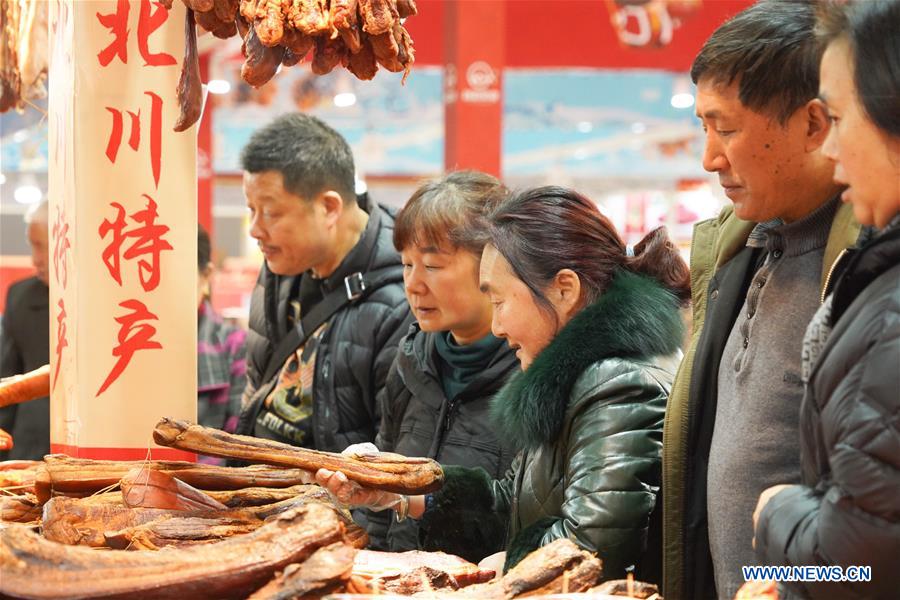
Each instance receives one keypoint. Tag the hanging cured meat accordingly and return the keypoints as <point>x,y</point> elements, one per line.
<point>283,32</point>
<point>23,52</point>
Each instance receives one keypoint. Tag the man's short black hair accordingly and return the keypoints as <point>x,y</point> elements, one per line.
<point>311,156</point>
<point>771,50</point>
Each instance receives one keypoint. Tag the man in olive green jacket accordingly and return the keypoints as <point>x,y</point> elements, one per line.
<point>757,273</point>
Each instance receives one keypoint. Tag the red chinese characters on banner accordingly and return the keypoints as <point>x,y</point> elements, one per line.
<point>147,236</point>
<point>62,341</point>
<point>149,21</point>
<point>117,23</point>
<point>61,247</point>
<point>137,236</point>
<point>134,133</point>
<point>133,335</point>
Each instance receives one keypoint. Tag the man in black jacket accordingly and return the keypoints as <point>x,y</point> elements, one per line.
<point>328,310</point>
<point>25,346</point>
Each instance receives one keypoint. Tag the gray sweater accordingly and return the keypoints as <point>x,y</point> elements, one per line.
<point>755,440</point>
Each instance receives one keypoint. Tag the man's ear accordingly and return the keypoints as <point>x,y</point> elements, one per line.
<point>817,124</point>
<point>565,293</point>
<point>332,206</point>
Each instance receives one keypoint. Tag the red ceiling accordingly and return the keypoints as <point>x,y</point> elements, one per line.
<point>578,33</point>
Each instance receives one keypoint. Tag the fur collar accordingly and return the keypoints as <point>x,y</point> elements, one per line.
<point>636,317</point>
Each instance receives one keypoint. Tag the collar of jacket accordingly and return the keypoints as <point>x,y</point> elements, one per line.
<point>636,317</point>
<point>361,256</point>
<point>416,358</point>
<point>866,265</point>
<point>723,237</point>
<point>717,241</point>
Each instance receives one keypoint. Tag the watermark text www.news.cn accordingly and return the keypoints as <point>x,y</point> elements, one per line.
<point>809,573</point>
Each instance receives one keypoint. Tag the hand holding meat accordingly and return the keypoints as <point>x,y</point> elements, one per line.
<point>384,471</point>
<point>349,493</point>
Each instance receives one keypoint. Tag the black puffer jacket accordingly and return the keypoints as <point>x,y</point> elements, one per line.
<point>847,511</point>
<point>356,352</point>
<point>419,420</point>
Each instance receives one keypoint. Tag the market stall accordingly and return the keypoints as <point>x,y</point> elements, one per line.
<point>178,529</point>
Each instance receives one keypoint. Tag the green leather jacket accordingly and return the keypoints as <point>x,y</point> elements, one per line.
<point>589,412</point>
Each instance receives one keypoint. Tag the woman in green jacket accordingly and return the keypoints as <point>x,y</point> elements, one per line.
<point>597,332</point>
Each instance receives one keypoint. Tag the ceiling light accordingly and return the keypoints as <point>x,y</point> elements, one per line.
<point>28,194</point>
<point>344,99</point>
<point>218,86</point>
<point>683,100</point>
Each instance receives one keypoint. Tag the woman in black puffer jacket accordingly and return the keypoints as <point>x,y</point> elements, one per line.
<point>436,398</point>
<point>847,511</point>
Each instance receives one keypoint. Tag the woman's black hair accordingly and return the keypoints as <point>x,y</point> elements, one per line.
<point>872,28</point>
<point>543,230</point>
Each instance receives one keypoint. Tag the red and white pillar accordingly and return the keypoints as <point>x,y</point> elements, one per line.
<point>474,35</point>
<point>123,216</point>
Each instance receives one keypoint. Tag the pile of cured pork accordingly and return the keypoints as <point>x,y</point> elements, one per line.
<point>168,529</point>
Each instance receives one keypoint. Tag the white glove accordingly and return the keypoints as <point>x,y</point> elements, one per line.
<point>351,494</point>
<point>364,449</point>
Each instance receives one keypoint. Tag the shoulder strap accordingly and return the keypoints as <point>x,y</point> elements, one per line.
<point>356,288</point>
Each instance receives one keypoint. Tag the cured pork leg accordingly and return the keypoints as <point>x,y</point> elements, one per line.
<point>142,487</point>
<point>75,522</point>
<point>36,568</point>
<point>371,564</point>
<point>327,570</point>
<point>64,475</point>
<point>383,471</point>
<point>23,508</point>
<point>558,567</point>
<point>105,521</point>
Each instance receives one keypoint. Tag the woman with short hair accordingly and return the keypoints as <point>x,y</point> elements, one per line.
<point>435,399</point>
